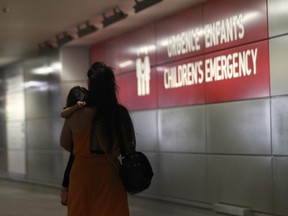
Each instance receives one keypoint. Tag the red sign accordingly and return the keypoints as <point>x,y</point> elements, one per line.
<point>214,52</point>
<point>134,46</point>
<point>238,73</point>
<point>106,52</point>
<point>181,83</point>
<point>230,23</point>
<point>133,92</point>
<point>180,36</point>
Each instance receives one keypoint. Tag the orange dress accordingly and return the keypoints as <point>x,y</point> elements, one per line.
<point>95,187</point>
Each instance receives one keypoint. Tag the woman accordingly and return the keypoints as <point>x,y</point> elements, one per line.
<point>95,185</point>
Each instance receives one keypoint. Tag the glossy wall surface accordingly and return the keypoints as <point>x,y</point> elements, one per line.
<point>206,148</point>
<point>30,120</point>
<point>278,31</point>
<point>33,92</point>
<point>222,142</point>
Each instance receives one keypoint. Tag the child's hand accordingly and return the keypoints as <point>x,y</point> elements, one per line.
<point>81,104</point>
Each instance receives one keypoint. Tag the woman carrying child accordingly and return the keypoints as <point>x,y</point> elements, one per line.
<point>95,186</point>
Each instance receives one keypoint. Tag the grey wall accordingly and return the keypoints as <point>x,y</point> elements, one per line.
<point>278,31</point>
<point>30,121</point>
<point>234,153</point>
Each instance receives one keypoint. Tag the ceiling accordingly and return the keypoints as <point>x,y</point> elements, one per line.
<point>24,24</point>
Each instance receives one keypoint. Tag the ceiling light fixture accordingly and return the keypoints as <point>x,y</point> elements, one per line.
<point>46,69</point>
<point>64,38</point>
<point>86,29</point>
<point>143,4</point>
<point>47,45</point>
<point>5,10</point>
<point>117,16</point>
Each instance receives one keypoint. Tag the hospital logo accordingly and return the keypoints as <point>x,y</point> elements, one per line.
<point>143,72</point>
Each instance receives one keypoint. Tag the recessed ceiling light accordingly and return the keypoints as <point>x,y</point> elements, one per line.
<point>5,10</point>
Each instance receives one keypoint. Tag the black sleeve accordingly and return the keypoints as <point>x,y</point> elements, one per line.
<point>65,182</point>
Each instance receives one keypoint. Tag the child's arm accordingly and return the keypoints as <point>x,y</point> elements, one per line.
<point>65,113</point>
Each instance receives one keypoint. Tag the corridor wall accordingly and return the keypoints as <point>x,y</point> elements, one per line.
<point>212,135</point>
<point>207,92</point>
<point>32,94</point>
<point>30,122</point>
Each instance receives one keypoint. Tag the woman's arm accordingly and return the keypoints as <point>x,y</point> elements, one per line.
<point>66,136</point>
<point>65,113</point>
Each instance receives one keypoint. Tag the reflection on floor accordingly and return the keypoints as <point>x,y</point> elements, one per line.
<point>21,199</point>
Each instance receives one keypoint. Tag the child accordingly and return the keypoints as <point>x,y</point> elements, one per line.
<point>76,99</point>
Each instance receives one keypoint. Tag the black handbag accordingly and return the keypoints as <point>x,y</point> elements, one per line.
<point>136,172</point>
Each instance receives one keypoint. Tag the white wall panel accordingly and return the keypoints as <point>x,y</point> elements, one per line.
<point>279,117</point>
<point>40,133</point>
<point>145,125</point>
<point>280,179</point>
<point>279,65</point>
<point>182,129</point>
<point>277,17</point>
<point>3,162</point>
<point>183,176</point>
<point>239,127</point>
<point>242,181</point>
<point>45,166</point>
<point>75,63</point>
<point>16,162</point>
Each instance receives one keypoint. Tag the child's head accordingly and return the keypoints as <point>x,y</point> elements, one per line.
<point>76,93</point>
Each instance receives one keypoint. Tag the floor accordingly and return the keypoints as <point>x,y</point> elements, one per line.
<point>22,199</point>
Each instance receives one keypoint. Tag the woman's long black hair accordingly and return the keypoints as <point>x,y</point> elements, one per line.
<point>102,86</point>
<point>103,95</point>
<point>116,123</point>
